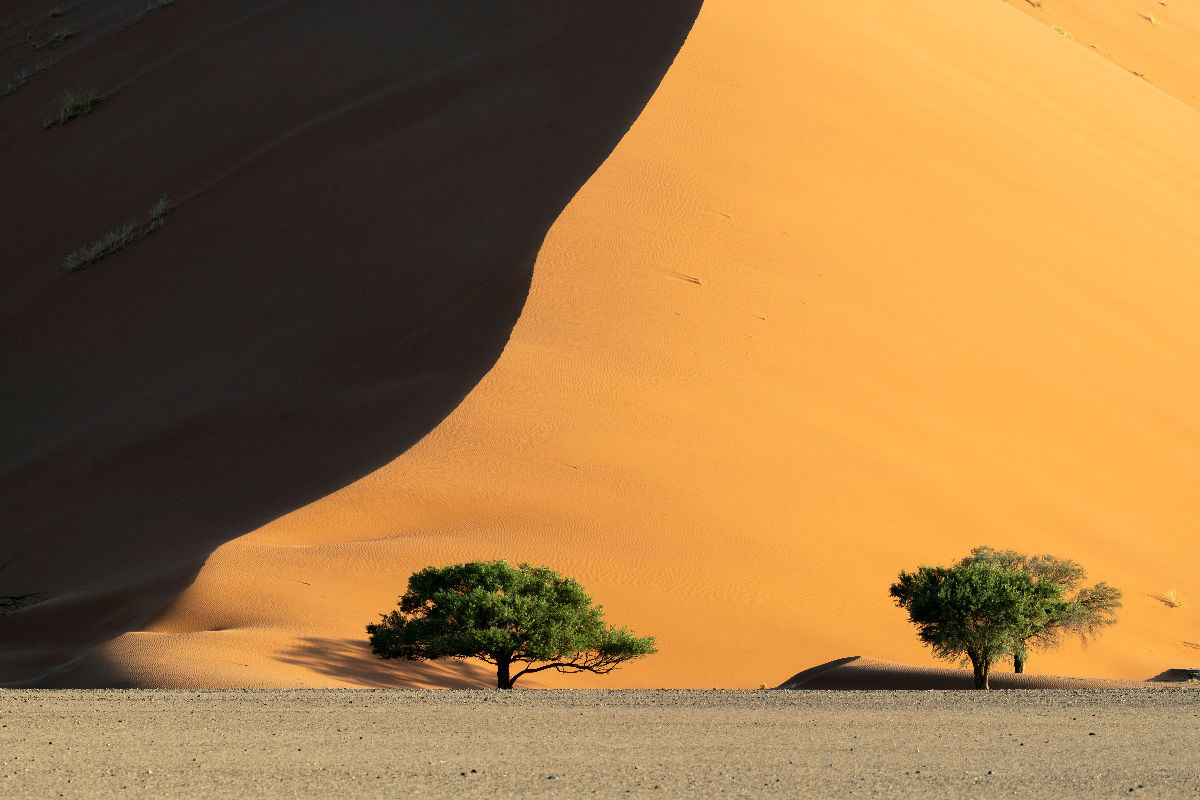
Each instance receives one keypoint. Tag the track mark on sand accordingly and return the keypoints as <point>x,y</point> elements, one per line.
<point>684,277</point>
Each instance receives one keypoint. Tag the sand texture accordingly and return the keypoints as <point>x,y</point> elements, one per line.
<point>864,286</point>
<point>576,744</point>
<point>1154,41</point>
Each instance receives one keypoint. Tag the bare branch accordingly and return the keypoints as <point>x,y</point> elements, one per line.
<point>15,602</point>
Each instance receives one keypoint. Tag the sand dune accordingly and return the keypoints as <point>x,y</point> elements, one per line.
<point>359,197</point>
<point>863,287</point>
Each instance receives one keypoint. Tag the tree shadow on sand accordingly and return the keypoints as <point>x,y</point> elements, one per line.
<point>352,661</point>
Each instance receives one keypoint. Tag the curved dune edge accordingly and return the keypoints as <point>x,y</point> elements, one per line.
<point>856,672</point>
<point>862,288</point>
<point>358,194</point>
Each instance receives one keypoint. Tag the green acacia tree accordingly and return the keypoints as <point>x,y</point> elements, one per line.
<point>977,612</point>
<point>1092,608</point>
<point>521,619</point>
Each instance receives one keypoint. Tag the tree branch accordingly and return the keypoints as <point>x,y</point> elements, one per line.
<point>15,602</point>
<point>596,664</point>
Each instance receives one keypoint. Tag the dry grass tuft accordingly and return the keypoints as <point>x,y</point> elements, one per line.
<point>115,240</point>
<point>24,75</point>
<point>55,40</point>
<point>1170,599</point>
<point>73,105</point>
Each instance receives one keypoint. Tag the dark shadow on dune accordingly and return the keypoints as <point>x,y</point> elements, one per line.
<point>807,675</point>
<point>362,189</point>
<point>351,660</point>
<point>847,673</point>
<point>1180,675</point>
<point>857,673</point>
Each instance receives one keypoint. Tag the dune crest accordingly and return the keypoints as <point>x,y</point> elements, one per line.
<point>359,194</point>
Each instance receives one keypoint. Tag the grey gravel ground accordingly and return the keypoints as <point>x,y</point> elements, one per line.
<point>1068,743</point>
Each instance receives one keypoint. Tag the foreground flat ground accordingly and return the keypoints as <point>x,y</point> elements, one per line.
<point>340,743</point>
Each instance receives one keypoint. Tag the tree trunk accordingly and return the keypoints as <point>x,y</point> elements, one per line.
<point>981,668</point>
<point>503,681</point>
<point>1018,664</point>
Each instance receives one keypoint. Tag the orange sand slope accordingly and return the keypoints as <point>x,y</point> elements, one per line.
<point>1154,40</point>
<point>359,195</point>
<point>864,286</point>
<point>867,673</point>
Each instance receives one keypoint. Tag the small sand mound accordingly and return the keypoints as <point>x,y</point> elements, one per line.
<point>856,672</point>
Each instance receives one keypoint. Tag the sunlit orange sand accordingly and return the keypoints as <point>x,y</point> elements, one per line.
<point>865,286</point>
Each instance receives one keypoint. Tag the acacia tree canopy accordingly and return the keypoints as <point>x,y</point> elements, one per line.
<point>977,612</point>
<point>1092,608</point>
<point>521,619</point>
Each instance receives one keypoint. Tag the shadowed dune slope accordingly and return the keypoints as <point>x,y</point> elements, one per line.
<point>864,286</point>
<point>359,192</point>
<point>867,673</point>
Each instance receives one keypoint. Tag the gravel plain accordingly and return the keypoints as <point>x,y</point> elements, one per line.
<point>773,743</point>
